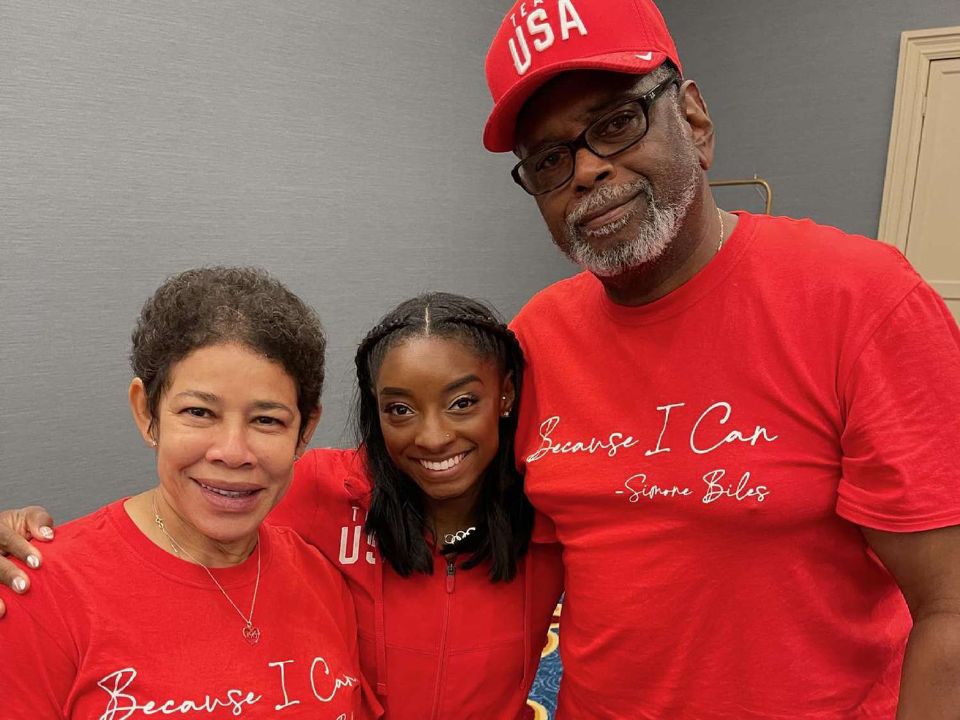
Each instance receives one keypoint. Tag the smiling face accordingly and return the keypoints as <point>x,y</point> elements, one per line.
<point>619,212</point>
<point>227,429</point>
<point>440,406</point>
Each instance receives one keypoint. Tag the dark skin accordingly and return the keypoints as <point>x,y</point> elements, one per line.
<point>926,565</point>
<point>551,116</point>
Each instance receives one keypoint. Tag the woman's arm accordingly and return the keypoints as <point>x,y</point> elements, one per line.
<point>17,528</point>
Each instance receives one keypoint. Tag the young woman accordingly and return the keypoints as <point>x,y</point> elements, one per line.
<point>427,520</point>
<point>180,600</point>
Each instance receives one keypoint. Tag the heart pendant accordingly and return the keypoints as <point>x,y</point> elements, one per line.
<point>251,634</point>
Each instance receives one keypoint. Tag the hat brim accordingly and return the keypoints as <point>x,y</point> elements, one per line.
<point>499,129</point>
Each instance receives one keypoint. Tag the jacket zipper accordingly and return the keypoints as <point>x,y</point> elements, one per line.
<point>451,582</point>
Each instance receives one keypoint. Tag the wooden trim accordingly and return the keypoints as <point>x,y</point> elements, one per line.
<point>948,289</point>
<point>918,48</point>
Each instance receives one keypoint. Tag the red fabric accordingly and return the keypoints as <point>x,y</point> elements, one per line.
<point>539,40</point>
<point>705,458</point>
<point>113,623</point>
<point>452,647</point>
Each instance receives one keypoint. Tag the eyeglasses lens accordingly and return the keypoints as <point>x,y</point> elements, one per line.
<point>609,135</point>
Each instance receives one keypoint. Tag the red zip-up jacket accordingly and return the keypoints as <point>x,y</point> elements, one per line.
<point>450,644</point>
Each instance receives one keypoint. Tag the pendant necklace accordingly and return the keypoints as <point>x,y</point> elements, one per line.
<point>251,633</point>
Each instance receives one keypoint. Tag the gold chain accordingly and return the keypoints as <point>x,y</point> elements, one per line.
<point>251,633</point>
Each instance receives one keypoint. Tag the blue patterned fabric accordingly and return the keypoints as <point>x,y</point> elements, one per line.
<point>543,694</point>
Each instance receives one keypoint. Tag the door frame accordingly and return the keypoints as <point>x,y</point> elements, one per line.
<point>918,48</point>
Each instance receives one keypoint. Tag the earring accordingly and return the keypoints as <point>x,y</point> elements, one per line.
<point>153,443</point>
<point>505,413</point>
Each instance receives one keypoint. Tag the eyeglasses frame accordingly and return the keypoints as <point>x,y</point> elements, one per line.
<point>580,141</point>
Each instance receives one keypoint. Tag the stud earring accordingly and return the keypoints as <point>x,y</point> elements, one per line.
<point>153,443</point>
<point>505,413</point>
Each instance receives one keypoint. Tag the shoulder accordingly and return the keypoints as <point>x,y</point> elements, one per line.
<point>81,543</point>
<point>83,557</point>
<point>298,558</point>
<point>799,245</point>
<point>329,468</point>
<point>555,301</point>
<point>817,267</point>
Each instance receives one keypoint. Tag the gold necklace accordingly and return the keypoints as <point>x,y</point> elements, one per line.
<point>720,218</point>
<point>251,633</point>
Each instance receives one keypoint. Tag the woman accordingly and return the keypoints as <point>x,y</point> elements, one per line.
<point>190,613</point>
<point>428,521</point>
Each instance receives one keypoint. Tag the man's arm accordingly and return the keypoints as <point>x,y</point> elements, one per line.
<point>926,565</point>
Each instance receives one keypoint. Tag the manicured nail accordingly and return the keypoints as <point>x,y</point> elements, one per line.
<point>33,561</point>
<point>20,585</point>
<point>47,532</point>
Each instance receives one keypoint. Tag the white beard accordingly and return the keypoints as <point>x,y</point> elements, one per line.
<point>652,237</point>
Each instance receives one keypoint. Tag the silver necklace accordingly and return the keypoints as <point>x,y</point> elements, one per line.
<point>455,537</point>
<point>251,633</point>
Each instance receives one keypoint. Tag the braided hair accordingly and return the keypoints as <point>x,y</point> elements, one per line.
<point>397,515</point>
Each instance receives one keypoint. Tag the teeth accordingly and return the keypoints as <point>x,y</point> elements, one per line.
<point>443,464</point>
<point>228,493</point>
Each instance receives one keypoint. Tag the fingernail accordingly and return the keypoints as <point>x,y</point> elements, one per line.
<point>47,532</point>
<point>33,561</point>
<point>20,585</point>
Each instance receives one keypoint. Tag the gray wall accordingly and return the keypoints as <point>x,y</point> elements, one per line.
<point>802,94</point>
<point>337,144</point>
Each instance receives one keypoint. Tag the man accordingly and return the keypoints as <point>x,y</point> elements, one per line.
<point>727,417</point>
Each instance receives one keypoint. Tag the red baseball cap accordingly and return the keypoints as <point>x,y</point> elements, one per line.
<point>539,39</point>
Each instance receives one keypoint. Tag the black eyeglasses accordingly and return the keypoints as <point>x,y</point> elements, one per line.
<point>620,128</point>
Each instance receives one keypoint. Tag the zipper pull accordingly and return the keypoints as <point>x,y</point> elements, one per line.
<point>451,574</point>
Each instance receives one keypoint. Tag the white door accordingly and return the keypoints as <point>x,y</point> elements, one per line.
<point>933,235</point>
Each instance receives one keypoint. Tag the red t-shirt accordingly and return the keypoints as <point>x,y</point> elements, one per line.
<point>114,628</point>
<point>432,646</point>
<point>707,458</point>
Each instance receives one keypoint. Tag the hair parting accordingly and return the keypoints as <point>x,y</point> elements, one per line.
<point>397,515</point>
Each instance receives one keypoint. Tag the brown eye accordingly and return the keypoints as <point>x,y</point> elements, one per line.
<point>624,122</point>
<point>397,410</point>
<point>463,403</point>
<point>549,160</point>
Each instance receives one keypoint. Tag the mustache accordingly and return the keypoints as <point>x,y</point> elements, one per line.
<point>607,194</point>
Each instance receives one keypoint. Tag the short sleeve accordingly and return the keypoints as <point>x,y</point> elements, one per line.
<point>901,432</point>
<point>37,673</point>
